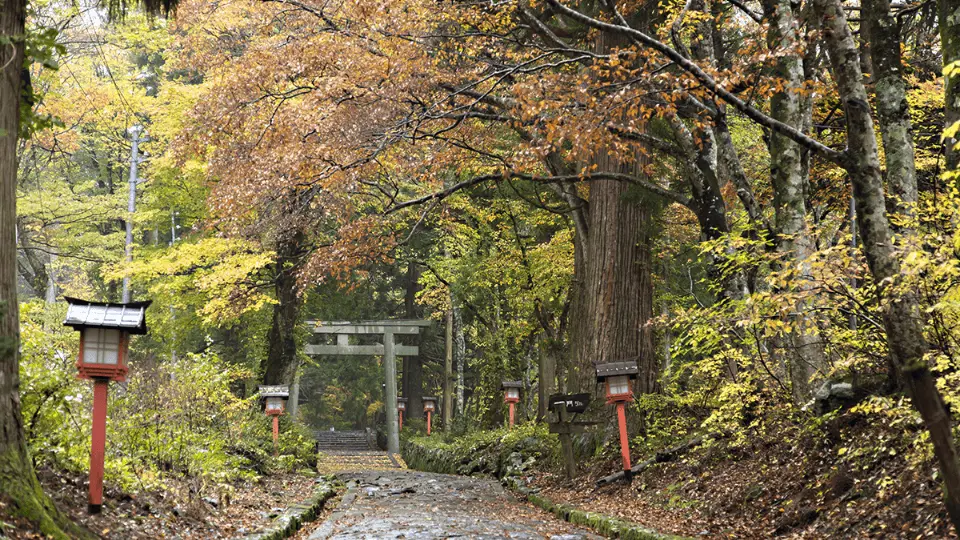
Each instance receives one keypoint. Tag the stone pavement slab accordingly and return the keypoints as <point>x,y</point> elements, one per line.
<point>425,506</point>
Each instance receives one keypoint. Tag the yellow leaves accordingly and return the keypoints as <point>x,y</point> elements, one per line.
<point>952,69</point>
<point>218,275</point>
<point>950,132</point>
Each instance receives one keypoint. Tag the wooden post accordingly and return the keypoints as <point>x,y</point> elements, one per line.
<point>400,423</point>
<point>390,370</point>
<point>429,413</point>
<point>566,442</point>
<point>98,444</point>
<point>511,415</point>
<point>276,434</point>
<point>624,441</point>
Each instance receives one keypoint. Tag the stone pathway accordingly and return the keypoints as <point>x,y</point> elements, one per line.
<point>425,506</point>
<point>335,462</point>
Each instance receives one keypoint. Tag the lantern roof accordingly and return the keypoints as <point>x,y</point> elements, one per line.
<point>511,384</point>
<point>402,399</point>
<point>130,317</point>
<point>427,398</point>
<point>614,369</point>
<point>281,391</point>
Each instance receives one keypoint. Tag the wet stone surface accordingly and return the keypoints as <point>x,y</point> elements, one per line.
<point>417,505</point>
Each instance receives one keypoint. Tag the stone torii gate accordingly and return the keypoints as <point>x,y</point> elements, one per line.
<point>388,349</point>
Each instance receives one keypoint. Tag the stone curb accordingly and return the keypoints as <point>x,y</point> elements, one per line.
<point>290,520</point>
<point>430,459</point>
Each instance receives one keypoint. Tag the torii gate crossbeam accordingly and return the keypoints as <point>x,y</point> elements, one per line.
<point>389,349</point>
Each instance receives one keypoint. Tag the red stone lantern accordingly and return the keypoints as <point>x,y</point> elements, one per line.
<point>274,404</point>
<point>429,405</point>
<point>105,331</point>
<point>401,408</point>
<point>511,396</point>
<point>616,378</point>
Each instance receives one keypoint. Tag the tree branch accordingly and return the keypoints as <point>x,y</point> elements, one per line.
<point>690,67</point>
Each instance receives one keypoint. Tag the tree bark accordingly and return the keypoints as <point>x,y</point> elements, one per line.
<point>892,110</point>
<point>18,480</point>
<point>901,318</point>
<point>281,364</point>
<point>616,291</point>
<point>459,356</point>
<point>786,172</point>
<point>412,382</point>
<point>547,375</point>
<point>617,287</point>
<point>448,371</point>
<point>949,23</point>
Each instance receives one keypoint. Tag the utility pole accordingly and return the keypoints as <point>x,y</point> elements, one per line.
<point>135,133</point>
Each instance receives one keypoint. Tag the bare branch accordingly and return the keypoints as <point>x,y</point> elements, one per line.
<point>708,81</point>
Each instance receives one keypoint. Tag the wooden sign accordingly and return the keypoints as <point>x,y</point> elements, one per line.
<point>574,403</point>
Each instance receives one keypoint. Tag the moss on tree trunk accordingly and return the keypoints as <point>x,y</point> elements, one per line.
<point>21,490</point>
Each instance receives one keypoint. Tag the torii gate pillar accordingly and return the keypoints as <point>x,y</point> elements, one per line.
<point>390,374</point>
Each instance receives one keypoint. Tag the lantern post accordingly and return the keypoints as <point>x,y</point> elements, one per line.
<point>401,408</point>
<point>429,405</point>
<point>511,396</point>
<point>105,331</point>
<point>274,404</point>
<point>616,378</point>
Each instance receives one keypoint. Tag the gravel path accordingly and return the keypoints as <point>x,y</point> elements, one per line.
<point>417,505</point>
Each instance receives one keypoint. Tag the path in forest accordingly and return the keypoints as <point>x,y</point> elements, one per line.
<point>401,503</point>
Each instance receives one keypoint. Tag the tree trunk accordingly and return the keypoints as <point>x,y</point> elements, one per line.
<point>18,480</point>
<point>281,363</point>
<point>550,349</point>
<point>949,22</point>
<point>412,365</point>
<point>617,280</point>
<point>459,356</point>
<point>786,170</point>
<point>448,371</point>
<point>568,371</point>
<point>901,318</point>
<point>618,288</point>
<point>892,109</point>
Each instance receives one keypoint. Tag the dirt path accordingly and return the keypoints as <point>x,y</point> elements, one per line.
<point>409,504</point>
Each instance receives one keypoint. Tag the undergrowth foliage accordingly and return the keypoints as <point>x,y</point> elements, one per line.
<point>179,419</point>
<point>500,452</point>
<point>730,368</point>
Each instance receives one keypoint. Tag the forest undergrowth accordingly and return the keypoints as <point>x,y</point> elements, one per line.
<point>839,475</point>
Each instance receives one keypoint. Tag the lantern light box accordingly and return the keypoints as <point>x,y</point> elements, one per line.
<point>274,405</point>
<point>401,408</point>
<point>429,404</point>
<point>105,331</point>
<point>617,376</point>
<point>511,390</point>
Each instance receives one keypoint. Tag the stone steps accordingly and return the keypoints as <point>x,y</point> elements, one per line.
<point>342,441</point>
